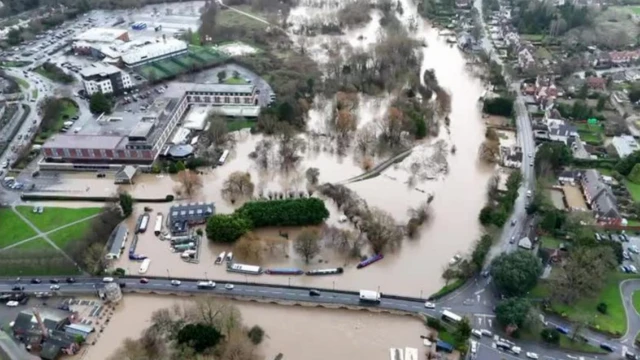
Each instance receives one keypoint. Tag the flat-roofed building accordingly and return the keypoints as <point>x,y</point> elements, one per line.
<point>103,35</point>
<point>160,49</point>
<point>625,145</point>
<point>105,78</point>
<point>223,94</point>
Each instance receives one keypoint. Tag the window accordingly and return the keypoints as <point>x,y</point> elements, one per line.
<point>226,100</point>
<point>236,100</point>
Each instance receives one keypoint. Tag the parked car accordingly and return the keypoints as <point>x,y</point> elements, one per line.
<point>54,287</point>
<point>430,305</point>
<point>532,355</point>
<point>54,281</point>
<point>229,286</point>
<point>175,282</point>
<point>12,303</point>
<point>314,293</point>
<point>36,281</point>
<point>70,280</point>
<point>17,288</point>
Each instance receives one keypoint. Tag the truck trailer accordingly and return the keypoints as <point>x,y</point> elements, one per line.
<point>369,296</point>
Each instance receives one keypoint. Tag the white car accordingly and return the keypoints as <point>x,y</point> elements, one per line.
<point>229,286</point>
<point>532,355</point>
<point>175,282</point>
<point>54,287</point>
<point>12,303</point>
<point>429,305</point>
<point>474,347</point>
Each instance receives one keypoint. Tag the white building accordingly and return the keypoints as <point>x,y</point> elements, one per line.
<point>105,78</point>
<point>153,51</point>
<point>103,35</point>
<point>624,145</point>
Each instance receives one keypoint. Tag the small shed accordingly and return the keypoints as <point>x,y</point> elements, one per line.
<point>126,174</point>
<point>525,243</point>
<point>79,329</point>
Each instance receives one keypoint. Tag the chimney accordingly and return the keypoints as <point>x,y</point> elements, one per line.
<point>36,313</point>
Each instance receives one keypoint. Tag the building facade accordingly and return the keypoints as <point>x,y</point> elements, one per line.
<point>106,79</point>
<point>220,94</point>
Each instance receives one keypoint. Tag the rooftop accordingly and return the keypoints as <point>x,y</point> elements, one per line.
<point>76,141</point>
<point>222,88</point>
<point>100,35</point>
<point>117,238</point>
<point>624,145</point>
<point>99,68</point>
<point>154,49</point>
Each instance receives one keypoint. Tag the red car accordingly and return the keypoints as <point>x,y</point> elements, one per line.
<point>144,280</point>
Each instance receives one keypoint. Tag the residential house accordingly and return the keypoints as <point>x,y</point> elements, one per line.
<point>463,4</point>
<point>596,83</point>
<point>569,177</point>
<point>624,57</point>
<point>511,156</point>
<point>44,330</point>
<point>525,59</point>
<point>525,243</point>
<point>560,130</point>
<point>624,145</point>
<point>600,199</point>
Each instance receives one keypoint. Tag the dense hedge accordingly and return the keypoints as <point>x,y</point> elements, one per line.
<point>288,212</point>
<point>167,198</point>
<point>227,228</point>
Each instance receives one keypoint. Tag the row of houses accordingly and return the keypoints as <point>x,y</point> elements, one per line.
<point>597,192</point>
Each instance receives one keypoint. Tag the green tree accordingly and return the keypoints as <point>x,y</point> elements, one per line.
<point>199,337</point>
<point>583,274</point>
<point>462,333</point>
<point>516,273</point>
<point>513,312</point>
<point>551,157</point>
<point>288,212</point>
<point>14,36</point>
<point>501,106</point>
<point>480,251</point>
<point>227,228</point>
<point>602,101</point>
<point>180,166</point>
<point>583,92</point>
<point>126,203</point>
<point>256,334</point>
<point>550,336</point>
<point>486,215</point>
<point>172,168</point>
<point>634,175</point>
<point>222,75</point>
<point>99,104</point>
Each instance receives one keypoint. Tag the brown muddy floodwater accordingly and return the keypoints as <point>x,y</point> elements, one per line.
<point>413,270</point>
<point>308,333</point>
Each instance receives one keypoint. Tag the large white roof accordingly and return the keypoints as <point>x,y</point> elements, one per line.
<point>101,35</point>
<point>159,48</point>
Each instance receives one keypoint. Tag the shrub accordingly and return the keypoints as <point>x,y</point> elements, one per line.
<point>227,228</point>
<point>256,334</point>
<point>288,212</point>
<point>602,308</point>
<point>550,336</point>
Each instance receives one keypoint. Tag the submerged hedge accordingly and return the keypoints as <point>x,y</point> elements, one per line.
<point>287,212</point>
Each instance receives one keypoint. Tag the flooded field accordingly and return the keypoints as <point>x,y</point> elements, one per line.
<point>416,267</point>
<point>305,334</point>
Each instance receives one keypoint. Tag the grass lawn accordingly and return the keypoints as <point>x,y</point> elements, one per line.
<point>532,37</point>
<point>14,63</point>
<point>34,93</point>
<point>195,38</point>
<point>634,190</point>
<point>447,289</point>
<point>54,217</point>
<point>37,243</point>
<point>235,81</point>
<point>13,229</point>
<point>235,19</point>
<point>23,83</point>
<point>550,242</point>
<point>566,343</point>
<point>60,77</point>
<point>69,110</point>
<point>35,258</point>
<point>614,322</point>
<point>542,52</point>
<point>234,125</point>
<point>74,232</point>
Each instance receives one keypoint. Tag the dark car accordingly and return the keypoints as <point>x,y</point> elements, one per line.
<point>36,281</point>
<point>314,293</point>
<point>17,288</point>
<point>630,356</point>
<point>122,284</point>
<point>70,280</point>
<point>607,347</point>
<point>54,281</point>
<point>101,175</point>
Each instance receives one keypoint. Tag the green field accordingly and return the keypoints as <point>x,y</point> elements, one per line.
<point>234,125</point>
<point>614,322</point>
<point>592,134</point>
<point>196,56</point>
<point>550,242</point>
<point>634,189</point>
<point>636,301</point>
<point>69,234</point>
<point>13,229</point>
<point>23,83</point>
<point>14,63</point>
<point>235,81</point>
<point>55,217</point>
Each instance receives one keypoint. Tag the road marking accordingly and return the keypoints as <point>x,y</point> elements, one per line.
<point>489,321</point>
<point>479,321</point>
<point>479,292</point>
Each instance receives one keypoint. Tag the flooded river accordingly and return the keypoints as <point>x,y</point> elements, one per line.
<point>416,268</point>
<point>305,334</point>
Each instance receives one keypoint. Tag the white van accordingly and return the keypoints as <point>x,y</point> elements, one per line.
<point>474,347</point>
<point>107,280</point>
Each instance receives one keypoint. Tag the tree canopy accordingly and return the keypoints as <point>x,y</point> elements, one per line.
<point>513,312</point>
<point>227,228</point>
<point>198,336</point>
<point>288,212</point>
<point>516,273</point>
<point>99,103</point>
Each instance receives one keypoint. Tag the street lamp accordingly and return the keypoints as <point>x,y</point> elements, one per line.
<point>289,281</point>
<point>168,275</point>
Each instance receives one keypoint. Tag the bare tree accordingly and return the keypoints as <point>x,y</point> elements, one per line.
<point>208,22</point>
<point>217,133</point>
<point>190,182</point>
<point>366,139</point>
<point>419,216</point>
<point>391,126</point>
<point>312,175</point>
<point>290,146</point>
<point>249,248</point>
<point>307,244</point>
<point>237,186</point>
<point>382,231</point>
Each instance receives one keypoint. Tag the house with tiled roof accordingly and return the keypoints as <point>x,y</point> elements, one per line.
<point>600,198</point>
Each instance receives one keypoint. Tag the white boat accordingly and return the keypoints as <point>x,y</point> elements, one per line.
<point>455,259</point>
<point>396,354</point>
<point>220,258</point>
<point>144,266</point>
<point>229,257</point>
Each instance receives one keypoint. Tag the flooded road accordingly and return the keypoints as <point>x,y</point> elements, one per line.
<point>305,334</point>
<point>414,269</point>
